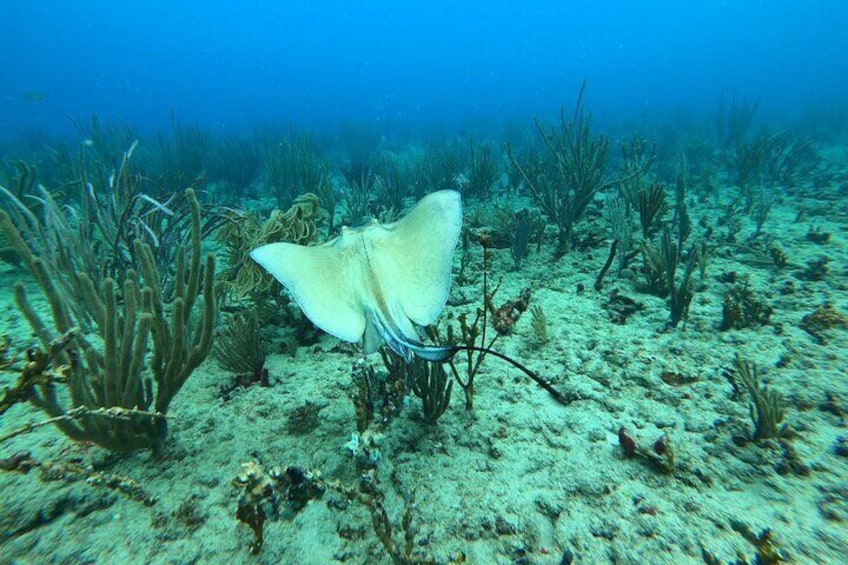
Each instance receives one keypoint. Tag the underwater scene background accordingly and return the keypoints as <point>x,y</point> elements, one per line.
<point>646,317</point>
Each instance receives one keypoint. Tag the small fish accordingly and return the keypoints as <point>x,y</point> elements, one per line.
<point>35,96</point>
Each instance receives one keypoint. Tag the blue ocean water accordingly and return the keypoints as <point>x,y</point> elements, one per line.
<point>231,66</point>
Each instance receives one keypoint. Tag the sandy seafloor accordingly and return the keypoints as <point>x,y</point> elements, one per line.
<point>522,479</point>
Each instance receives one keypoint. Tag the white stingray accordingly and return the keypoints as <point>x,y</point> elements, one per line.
<point>376,282</point>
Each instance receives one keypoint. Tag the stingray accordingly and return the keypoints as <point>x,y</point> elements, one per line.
<point>376,283</point>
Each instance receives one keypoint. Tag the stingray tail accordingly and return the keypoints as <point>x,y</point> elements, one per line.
<point>407,347</point>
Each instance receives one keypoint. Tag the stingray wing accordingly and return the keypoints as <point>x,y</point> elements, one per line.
<point>412,258</point>
<point>325,281</point>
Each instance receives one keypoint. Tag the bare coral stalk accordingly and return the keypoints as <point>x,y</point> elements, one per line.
<point>82,412</point>
<point>475,353</point>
